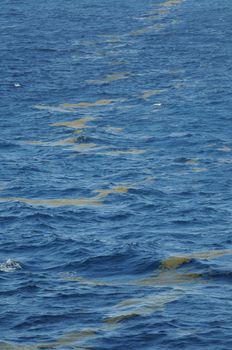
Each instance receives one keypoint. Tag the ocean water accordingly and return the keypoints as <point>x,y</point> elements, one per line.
<point>115,187</point>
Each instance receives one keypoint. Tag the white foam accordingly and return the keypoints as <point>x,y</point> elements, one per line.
<point>10,266</point>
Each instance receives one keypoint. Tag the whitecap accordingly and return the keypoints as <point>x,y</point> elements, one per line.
<point>10,265</point>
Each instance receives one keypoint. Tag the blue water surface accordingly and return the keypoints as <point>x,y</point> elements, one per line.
<point>115,187</point>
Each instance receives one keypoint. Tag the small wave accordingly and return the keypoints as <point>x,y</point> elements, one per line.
<point>216,275</point>
<point>10,266</point>
<point>7,144</point>
<point>45,49</point>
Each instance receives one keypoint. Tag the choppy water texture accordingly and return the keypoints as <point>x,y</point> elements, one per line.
<point>116,162</point>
